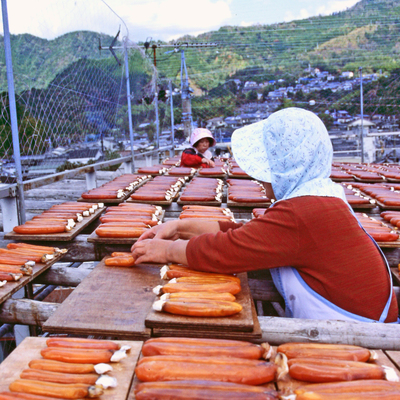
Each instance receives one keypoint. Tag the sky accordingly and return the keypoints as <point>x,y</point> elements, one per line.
<point>156,19</point>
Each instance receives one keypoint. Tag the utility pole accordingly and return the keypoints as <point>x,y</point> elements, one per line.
<point>186,96</point>
<point>185,86</point>
<point>154,47</point>
<point>362,115</point>
<point>172,115</point>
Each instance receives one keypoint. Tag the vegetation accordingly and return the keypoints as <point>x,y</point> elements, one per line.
<point>68,90</point>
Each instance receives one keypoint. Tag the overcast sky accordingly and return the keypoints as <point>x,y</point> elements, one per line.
<point>158,19</point>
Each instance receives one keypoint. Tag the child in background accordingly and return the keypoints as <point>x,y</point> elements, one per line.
<point>198,155</point>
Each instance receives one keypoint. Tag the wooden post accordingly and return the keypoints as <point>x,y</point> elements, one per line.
<point>91,181</point>
<point>20,331</point>
<point>127,165</point>
<point>9,212</point>
<point>278,330</point>
<point>27,312</point>
<point>60,275</point>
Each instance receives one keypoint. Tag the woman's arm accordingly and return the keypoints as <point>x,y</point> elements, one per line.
<point>181,229</point>
<point>160,244</point>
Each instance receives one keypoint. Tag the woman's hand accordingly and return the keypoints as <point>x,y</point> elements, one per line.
<point>150,250</point>
<point>167,231</point>
<point>160,251</point>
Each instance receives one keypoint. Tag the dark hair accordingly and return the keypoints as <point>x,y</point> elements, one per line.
<point>209,141</point>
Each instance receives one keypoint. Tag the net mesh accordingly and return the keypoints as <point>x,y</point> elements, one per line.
<point>72,108</point>
<point>77,100</point>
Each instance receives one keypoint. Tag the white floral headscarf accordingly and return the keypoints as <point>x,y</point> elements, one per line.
<point>291,149</point>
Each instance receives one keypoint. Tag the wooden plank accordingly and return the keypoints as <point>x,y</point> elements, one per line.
<point>242,322</point>
<point>234,176</point>
<point>363,206</point>
<point>371,180</point>
<point>385,207</point>
<point>110,301</point>
<point>94,238</point>
<point>155,202</point>
<point>343,179</point>
<point>287,386</point>
<point>52,237</point>
<point>396,275</point>
<point>30,348</point>
<point>264,290</point>
<point>277,330</point>
<point>11,287</point>
<point>254,336</point>
<point>214,203</point>
<point>222,175</point>
<point>136,381</point>
<point>394,356</point>
<point>126,195</point>
<point>265,204</point>
<point>182,175</point>
<point>388,245</point>
<point>105,201</point>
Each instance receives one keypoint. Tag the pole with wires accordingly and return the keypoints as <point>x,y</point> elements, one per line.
<point>171,102</point>
<point>185,94</point>
<point>156,100</point>
<point>362,115</point>
<point>128,98</point>
<point>13,113</point>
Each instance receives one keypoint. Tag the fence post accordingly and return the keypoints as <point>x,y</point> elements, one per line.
<point>9,210</point>
<point>128,99</point>
<point>128,167</point>
<point>149,160</point>
<point>13,112</point>
<point>91,181</point>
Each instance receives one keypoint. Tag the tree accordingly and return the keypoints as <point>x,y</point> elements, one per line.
<point>252,95</point>
<point>327,119</point>
<point>285,103</point>
<point>150,130</point>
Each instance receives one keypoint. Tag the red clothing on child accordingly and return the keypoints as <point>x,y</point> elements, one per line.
<point>316,235</point>
<point>190,158</point>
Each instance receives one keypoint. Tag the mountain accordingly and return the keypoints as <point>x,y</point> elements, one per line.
<point>37,61</point>
<point>67,88</point>
<point>364,35</point>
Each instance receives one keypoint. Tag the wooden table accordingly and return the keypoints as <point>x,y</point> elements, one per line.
<point>242,322</point>
<point>30,348</point>
<point>94,238</point>
<point>12,287</point>
<point>55,237</point>
<point>290,384</point>
<point>254,336</point>
<point>117,302</point>
<point>110,301</point>
<point>126,195</point>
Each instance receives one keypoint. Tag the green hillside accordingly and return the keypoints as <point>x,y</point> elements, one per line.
<point>68,89</point>
<point>365,35</point>
<point>37,61</point>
